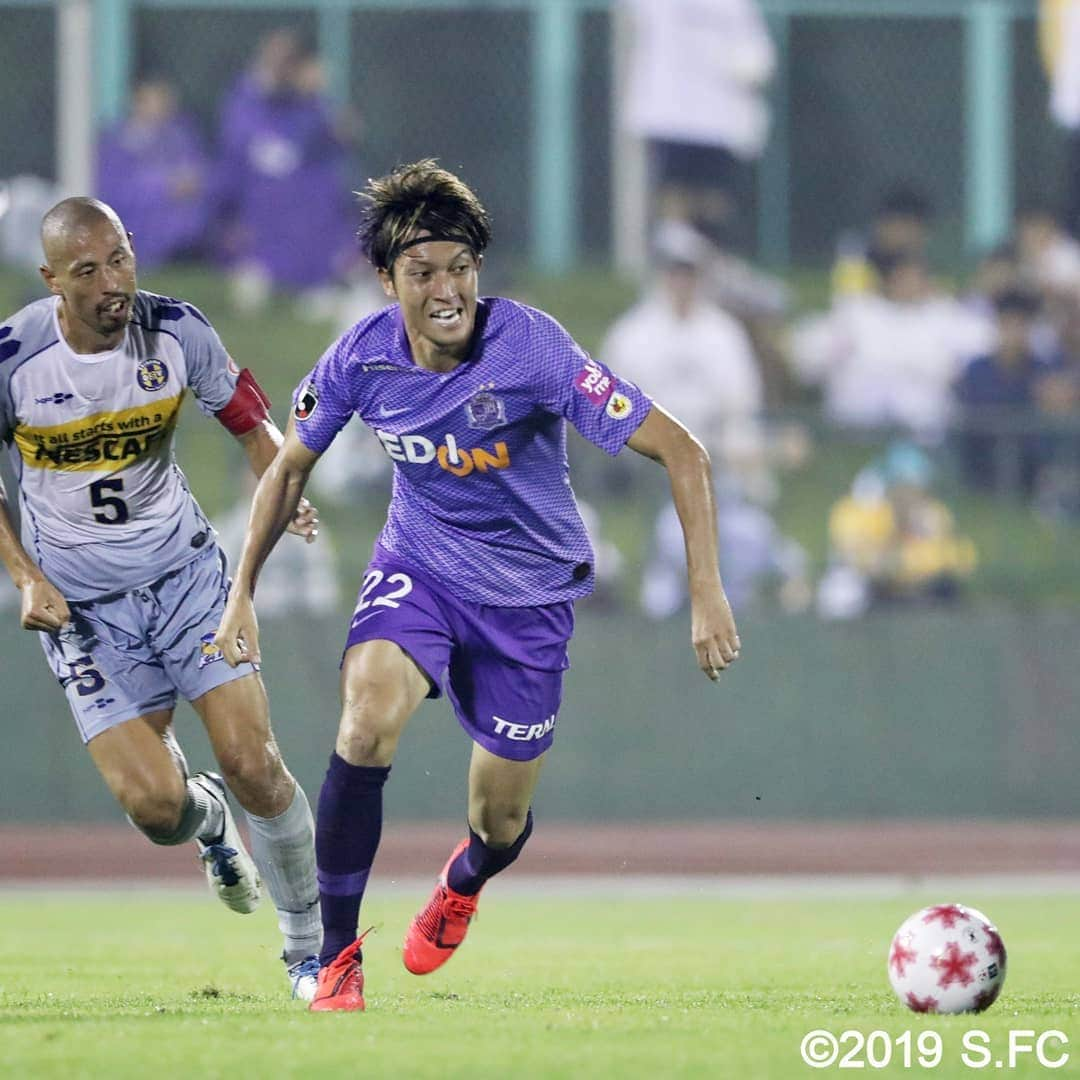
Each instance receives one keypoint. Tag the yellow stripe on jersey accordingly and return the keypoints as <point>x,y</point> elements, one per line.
<point>103,441</point>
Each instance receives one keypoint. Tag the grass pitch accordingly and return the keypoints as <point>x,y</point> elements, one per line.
<point>171,985</point>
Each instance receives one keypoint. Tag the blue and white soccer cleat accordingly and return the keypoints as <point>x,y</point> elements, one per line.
<point>304,978</point>
<point>229,868</point>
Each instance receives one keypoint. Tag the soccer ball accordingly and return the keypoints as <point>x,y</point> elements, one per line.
<point>947,959</point>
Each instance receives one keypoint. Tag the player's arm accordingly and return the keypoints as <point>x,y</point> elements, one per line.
<point>664,439</point>
<point>247,418</point>
<point>43,607</point>
<point>274,505</point>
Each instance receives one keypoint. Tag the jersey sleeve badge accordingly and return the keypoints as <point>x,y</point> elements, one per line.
<point>306,402</point>
<point>619,406</point>
<point>595,382</point>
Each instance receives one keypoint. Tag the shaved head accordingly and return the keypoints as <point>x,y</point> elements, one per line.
<point>69,217</point>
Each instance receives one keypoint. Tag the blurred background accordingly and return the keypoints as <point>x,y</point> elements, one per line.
<point>838,238</point>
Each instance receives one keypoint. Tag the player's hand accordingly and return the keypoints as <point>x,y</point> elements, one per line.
<point>305,522</point>
<point>238,635</point>
<point>716,641</point>
<point>43,608</point>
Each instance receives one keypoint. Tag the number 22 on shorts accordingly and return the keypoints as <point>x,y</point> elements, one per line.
<point>373,596</point>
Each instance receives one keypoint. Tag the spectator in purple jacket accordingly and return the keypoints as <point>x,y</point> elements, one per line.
<point>286,201</point>
<point>154,169</point>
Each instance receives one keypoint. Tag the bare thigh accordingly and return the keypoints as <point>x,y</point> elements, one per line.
<point>381,687</point>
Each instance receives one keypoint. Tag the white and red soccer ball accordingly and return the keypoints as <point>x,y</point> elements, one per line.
<point>947,959</point>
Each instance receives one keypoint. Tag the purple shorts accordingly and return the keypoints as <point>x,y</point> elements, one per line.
<point>501,667</point>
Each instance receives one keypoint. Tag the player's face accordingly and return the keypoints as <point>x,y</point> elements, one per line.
<point>93,272</point>
<point>436,285</point>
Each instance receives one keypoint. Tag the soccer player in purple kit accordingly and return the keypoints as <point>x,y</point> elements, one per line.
<point>472,581</point>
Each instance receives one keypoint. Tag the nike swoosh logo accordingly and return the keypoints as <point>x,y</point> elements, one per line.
<point>385,412</point>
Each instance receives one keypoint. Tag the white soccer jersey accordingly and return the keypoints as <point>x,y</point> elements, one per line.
<point>105,508</point>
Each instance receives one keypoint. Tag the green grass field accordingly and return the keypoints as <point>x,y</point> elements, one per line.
<point>116,985</point>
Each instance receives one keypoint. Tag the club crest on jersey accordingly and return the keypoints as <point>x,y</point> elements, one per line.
<point>209,653</point>
<point>151,374</point>
<point>485,411</point>
<point>306,402</point>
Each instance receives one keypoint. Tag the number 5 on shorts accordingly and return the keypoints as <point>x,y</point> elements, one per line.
<point>87,678</point>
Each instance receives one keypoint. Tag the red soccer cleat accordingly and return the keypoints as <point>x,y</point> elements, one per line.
<point>440,928</point>
<point>341,982</point>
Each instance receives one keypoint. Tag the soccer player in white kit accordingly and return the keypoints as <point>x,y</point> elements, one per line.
<point>119,570</point>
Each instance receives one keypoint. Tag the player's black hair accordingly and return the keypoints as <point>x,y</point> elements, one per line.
<point>421,197</point>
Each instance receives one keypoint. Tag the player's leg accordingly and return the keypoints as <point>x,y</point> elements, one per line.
<point>500,822</point>
<point>381,687</point>
<point>231,702</point>
<point>143,767</point>
<point>282,831</point>
<point>506,686</point>
<point>135,761</point>
<point>396,654</point>
<point>122,700</point>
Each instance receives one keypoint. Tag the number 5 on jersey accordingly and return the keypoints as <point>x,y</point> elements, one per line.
<point>115,510</point>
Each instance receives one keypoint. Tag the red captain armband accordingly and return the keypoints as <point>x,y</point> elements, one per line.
<point>248,407</point>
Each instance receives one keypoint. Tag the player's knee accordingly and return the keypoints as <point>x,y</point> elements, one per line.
<point>502,826</point>
<point>364,744</point>
<point>156,814</point>
<point>252,773</point>
<point>371,724</point>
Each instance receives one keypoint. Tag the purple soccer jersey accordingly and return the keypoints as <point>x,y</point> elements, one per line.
<point>481,495</point>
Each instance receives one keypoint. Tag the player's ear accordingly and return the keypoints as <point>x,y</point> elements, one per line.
<point>386,280</point>
<point>49,278</point>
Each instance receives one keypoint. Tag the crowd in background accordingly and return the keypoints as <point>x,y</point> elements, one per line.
<point>977,375</point>
<point>269,199</point>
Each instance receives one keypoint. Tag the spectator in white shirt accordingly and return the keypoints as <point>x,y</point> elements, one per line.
<point>889,360</point>
<point>696,93</point>
<point>678,345</point>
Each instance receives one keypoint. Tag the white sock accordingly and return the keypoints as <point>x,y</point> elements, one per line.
<point>283,848</point>
<point>212,810</point>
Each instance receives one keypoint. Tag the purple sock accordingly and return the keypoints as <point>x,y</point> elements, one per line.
<point>478,862</point>
<point>347,831</point>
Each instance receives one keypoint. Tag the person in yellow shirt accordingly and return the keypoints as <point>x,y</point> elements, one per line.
<point>896,536</point>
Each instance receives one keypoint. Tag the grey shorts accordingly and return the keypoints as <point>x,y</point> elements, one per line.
<point>127,655</point>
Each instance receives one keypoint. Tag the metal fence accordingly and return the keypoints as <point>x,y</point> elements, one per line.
<point>519,94</point>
